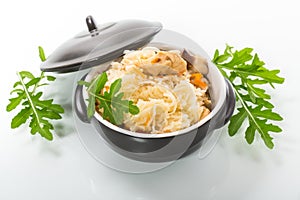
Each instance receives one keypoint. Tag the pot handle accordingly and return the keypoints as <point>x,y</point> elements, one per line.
<point>79,104</point>
<point>230,101</point>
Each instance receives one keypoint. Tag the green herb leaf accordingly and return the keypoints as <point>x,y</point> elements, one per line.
<point>21,117</point>
<point>94,88</point>
<point>35,110</point>
<point>250,133</point>
<point>112,102</point>
<point>237,121</point>
<point>26,74</point>
<point>50,78</point>
<point>42,54</point>
<point>84,83</point>
<point>248,74</point>
<point>133,109</point>
<point>14,102</point>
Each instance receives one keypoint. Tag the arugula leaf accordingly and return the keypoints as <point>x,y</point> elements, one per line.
<point>42,54</point>
<point>247,74</point>
<point>112,102</point>
<point>38,111</point>
<point>237,121</point>
<point>95,87</point>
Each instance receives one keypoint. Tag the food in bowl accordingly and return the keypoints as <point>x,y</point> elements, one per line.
<point>157,146</point>
<point>169,88</point>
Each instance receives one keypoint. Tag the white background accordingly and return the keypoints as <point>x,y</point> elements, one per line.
<point>32,168</point>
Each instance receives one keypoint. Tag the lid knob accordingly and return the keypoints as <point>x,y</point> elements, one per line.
<point>90,22</point>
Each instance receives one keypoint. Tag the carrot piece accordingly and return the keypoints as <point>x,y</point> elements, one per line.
<point>196,80</point>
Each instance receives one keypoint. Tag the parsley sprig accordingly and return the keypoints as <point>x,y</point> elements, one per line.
<point>27,96</point>
<point>248,74</point>
<point>112,102</point>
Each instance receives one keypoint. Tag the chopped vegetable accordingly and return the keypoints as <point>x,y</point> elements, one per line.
<point>197,80</point>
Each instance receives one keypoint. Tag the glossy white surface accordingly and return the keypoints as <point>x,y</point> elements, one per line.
<point>32,168</point>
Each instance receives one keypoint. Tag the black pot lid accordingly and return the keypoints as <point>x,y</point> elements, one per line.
<point>100,44</point>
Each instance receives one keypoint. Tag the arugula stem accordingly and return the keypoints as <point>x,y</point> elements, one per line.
<point>237,70</point>
<point>244,104</point>
<point>101,98</point>
<point>29,99</point>
<point>36,85</point>
<point>91,86</point>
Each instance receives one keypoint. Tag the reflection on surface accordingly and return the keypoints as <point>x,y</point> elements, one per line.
<point>178,181</point>
<point>222,174</point>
